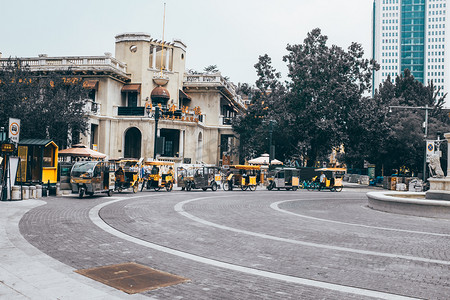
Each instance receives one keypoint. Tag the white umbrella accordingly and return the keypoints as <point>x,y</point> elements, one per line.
<point>264,160</point>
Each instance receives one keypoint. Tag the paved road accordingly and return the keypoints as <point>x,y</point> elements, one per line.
<point>248,245</point>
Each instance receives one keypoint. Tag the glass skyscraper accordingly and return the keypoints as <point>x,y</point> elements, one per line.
<point>411,34</point>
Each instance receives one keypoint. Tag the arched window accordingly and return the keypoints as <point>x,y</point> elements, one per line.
<point>133,138</point>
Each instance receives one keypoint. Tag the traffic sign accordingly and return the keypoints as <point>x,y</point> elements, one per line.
<point>14,130</point>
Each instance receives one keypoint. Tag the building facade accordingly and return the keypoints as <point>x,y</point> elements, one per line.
<point>411,34</point>
<point>146,76</point>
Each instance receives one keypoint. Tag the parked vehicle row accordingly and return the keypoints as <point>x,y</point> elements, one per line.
<point>91,177</point>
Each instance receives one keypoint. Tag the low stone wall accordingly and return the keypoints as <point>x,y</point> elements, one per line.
<point>413,204</point>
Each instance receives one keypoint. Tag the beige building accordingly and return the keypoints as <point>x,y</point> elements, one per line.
<point>145,75</point>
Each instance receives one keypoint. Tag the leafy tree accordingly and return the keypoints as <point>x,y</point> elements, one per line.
<point>267,105</point>
<point>49,106</point>
<point>399,142</point>
<point>326,88</point>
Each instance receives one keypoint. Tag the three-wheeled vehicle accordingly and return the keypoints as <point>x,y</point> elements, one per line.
<point>127,174</point>
<point>241,176</point>
<point>284,178</point>
<point>158,175</point>
<point>185,173</point>
<point>334,178</point>
<point>91,177</point>
<point>204,177</point>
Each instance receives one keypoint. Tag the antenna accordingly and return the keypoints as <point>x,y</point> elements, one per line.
<point>162,45</point>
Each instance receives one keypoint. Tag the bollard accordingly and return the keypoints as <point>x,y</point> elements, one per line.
<point>32,192</point>
<point>25,192</point>
<point>38,191</point>
<point>58,189</point>
<point>15,193</point>
<point>44,191</point>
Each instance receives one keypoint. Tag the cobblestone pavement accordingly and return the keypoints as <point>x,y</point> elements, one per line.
<point>251,245</point>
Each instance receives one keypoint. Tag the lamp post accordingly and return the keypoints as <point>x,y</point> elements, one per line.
<point>271,122</point>
<point>425,125</point>
<point>155,115</point>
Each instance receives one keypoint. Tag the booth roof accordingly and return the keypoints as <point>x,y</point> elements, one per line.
<point>34,142</point>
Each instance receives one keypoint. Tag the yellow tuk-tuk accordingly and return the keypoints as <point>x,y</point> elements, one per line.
<point>241,176</point>
<point>158,175</point>
<point>284,178</point>
<point>127,173</point>
<point>91,177</point>
<point>334,178</point>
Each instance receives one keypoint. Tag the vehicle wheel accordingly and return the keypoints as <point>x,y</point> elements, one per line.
<point>252,188</point>
<point>226,186</point>
<point>244,187</point>
<point>294,188</point>
<point>81,192</point>
<point>214,187</point>
<point>338,188</point>
<point>110,192</point>
<point>119,190</point>
<point>135,187</point>
<point>287,189</point>
<point>188,186</point>
<point>169,187</point>
<point>270,186</point>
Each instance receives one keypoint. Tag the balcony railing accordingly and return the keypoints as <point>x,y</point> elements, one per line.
<point>131,111</point>
<point>213,79</point>
<point>139,111</point>
<point>44,62</point>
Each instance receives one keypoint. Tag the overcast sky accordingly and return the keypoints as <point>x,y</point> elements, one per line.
<point>230,34</point>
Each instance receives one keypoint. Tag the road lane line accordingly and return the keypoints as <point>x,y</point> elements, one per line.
<point>96,219</point>
<point>276,206</point>
<point>179,208</point>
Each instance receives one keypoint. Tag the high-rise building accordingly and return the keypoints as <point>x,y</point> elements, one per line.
<point>411,34</point>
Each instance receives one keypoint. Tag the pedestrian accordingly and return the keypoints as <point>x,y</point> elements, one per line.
<point>323,180</point>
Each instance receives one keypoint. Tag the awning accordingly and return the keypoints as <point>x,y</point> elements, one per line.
<point>90,84</point>
<point>183,95</point>
<point>132,87</point>
<point>36,142</point>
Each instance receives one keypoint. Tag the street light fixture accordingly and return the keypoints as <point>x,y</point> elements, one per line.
<point>425,125</point>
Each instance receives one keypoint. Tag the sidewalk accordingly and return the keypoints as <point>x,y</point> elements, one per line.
<point>27,273</point>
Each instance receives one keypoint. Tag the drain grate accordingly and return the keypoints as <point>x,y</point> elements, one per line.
<point>132,277</point>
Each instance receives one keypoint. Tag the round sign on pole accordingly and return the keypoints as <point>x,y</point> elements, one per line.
<point>14,130</point>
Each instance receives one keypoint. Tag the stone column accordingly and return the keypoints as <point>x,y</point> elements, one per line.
<point>167,58</point>
<point>181,145</point>
<point>154,58</point>
<point>447,137</point>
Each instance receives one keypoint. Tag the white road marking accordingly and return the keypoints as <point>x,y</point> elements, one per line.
<point>179,208</point>
<point>95,217</point>
<point>276,206</point>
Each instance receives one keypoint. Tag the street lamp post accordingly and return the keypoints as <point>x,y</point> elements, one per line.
<point>271,122</point>
<point>148,109</point>
<point>425,125</point>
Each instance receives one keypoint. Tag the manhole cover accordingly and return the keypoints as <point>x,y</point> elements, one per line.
<point>132,277</point>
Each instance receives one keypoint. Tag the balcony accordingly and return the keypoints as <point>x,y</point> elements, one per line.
<point>131,111</point>
<point>86,64</point>
<point>206,80</point>
<point>139,111</point>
